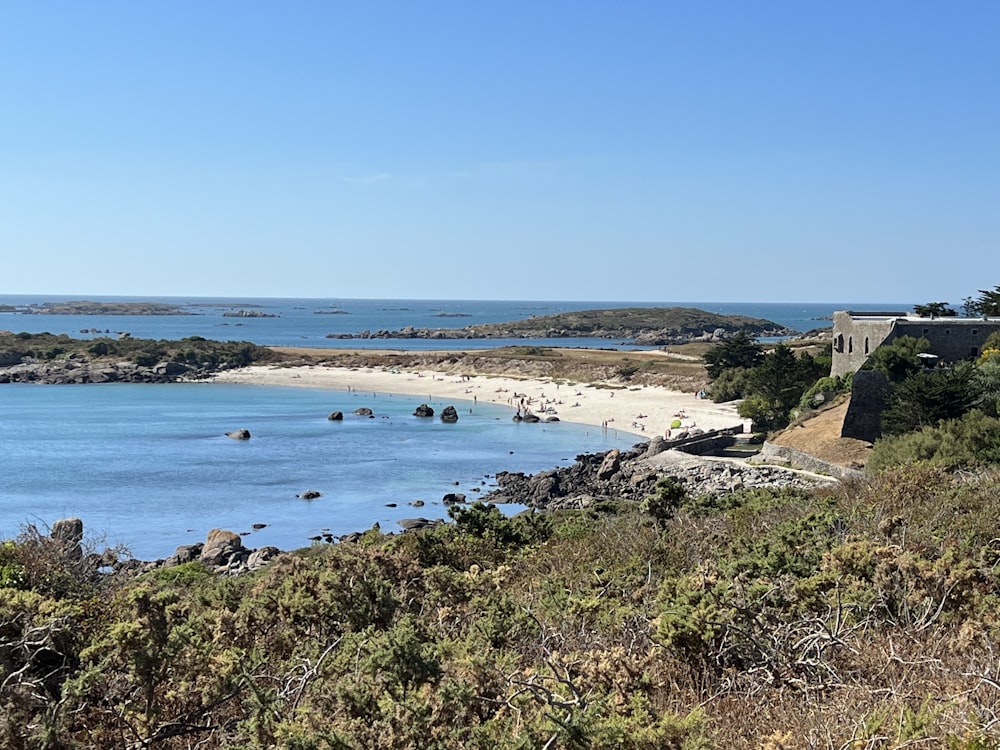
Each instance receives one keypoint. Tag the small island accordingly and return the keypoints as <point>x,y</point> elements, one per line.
<point>644,326</point>
<point>88,307</point>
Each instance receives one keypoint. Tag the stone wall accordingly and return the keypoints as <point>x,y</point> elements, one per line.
<point>706,446</point>
<point>785,456</point>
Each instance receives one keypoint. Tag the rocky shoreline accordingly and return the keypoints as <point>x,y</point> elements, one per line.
<point>78,369</point>
<point>611,476</point>
<point>661,337</point>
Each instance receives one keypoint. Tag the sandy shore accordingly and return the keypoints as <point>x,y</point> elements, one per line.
<point>641,410</point>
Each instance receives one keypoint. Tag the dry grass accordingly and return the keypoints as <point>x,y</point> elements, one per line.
<point>676,369</point>
<point>820,436</point>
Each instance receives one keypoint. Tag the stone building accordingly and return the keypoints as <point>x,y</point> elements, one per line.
<point>857,334</point>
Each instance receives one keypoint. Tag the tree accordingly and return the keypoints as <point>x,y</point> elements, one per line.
<point>925,399</point>
<point>934,310</point>
<point>986,381</point>
<point>740,350</point>
<point>988,303</point>
<point>731,384</point>
<point>780,378</point>
<point>898,360</point>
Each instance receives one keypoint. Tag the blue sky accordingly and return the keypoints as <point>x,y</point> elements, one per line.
<point>698,151</point>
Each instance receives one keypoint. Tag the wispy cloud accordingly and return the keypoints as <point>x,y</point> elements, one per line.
<point>373,179</point>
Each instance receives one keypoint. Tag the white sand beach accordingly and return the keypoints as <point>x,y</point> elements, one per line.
<point>641,410</point>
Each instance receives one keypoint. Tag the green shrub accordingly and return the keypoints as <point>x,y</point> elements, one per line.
<point>731,384</point>
<point>971,439</point>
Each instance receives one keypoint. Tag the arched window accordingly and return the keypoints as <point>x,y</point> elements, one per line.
<point>850,345</point>
<point>839,343</point>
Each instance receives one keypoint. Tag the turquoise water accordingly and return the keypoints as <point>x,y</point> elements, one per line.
<point>149,466</point>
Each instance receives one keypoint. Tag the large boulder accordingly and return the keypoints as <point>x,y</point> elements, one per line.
<point>423,411</point>
<point>240,434</point>
<point>449,414</point>
<point>414,524</point>
<point>184,554</point>
<point>261,557</point>
<point>220,547</point>
<point>610,465</point>
<point>336,416</point>
<point>364,411</point>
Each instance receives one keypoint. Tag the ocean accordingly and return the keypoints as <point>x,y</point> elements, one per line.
<point>148,466</point>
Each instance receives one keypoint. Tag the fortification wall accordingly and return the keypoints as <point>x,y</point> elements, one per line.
<point>951,339</point>
<point>857,335</point>
<point>869,393</point>
<point>855,338</point>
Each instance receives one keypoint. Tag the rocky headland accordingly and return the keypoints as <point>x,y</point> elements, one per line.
<point>51,359</point>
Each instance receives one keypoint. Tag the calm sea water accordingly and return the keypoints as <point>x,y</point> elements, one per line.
<point>148,466</point>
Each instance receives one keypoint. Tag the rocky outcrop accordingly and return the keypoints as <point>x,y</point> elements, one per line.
<point>249,314</point>
<point>414,524</point>
<point>336,416</point>
<point>449,414</point>
<point>261,557</point>
<point>423,411</point>
<point>222,548</point>
<point>633,475</point>
<point>364,411</point>
<point>241,434</point>
<point>76,369</point>
<point>309,495</point>
<point>68,533</point>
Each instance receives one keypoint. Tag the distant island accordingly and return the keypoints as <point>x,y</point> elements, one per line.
<point>87,307</point>
<point>645,326</point>
<point>249,314</point>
